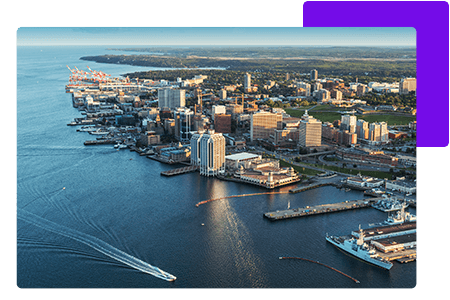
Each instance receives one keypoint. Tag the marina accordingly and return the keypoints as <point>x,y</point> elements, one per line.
<point>318,209</point>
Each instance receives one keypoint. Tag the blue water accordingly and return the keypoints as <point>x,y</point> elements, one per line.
<point>120,199</point>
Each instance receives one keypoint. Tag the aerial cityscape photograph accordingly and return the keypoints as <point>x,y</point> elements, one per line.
<point>231,157</point>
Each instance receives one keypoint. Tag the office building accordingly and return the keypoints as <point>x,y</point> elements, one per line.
<point>262,124</point>
<point>183,123</point>
<point>171,98</point>
<point>407,85</point>
<point>310,131</point>
<point>222,123</point>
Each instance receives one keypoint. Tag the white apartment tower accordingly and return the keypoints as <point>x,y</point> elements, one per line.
<point>314,74</point>
<point>208,152</point>
<point>310,131</point>
<point>348,123</point>
<point>247,81</point>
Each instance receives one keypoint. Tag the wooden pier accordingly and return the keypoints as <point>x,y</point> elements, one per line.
<point>308,187</point>
<point>319,209</point>
<point>180,171</point>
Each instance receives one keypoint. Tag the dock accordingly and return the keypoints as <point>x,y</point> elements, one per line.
<point>318,209</point>
<point>100,142</point>
<point>308,187</point>
<point>180,171</point>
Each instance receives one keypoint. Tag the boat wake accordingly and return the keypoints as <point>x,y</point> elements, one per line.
<point>95,243</point>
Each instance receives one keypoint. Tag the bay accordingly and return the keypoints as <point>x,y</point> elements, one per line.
<point>121,199</point>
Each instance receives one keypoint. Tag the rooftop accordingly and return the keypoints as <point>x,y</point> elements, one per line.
<point>241,156</point>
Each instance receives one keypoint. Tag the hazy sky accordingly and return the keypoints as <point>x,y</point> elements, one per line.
<point>216,36</point>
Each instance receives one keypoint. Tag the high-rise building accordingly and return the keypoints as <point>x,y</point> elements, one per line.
<point>263,123</point>
<point>384,132</point>
<point>306,87</point>
<point>407,85</point>
<point>195,148</point>
<point>322,95</point>
<point>183,123</point>
<point>247,81</point>
<point>336,94</point>
<point>208,152</point>
<point>378,132</point>
<point>223,94</point>
<point>348,123</point>
<point>317,86</point>
<point>310,131</point>
<point>314,74</point>
<point>171,98</point>
<point>362,129</point>
<point>374,132</point>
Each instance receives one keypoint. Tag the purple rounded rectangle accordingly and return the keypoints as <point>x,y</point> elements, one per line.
<point>430,19</point>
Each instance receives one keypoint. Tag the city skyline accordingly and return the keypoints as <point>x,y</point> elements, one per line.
<point>216,36</point>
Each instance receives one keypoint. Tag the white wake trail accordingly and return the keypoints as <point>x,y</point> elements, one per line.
<point>95,243</point>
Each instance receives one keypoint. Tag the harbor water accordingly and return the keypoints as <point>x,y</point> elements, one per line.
<point>73,200</point>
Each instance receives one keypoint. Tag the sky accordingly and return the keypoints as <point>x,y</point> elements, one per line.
<point>148,36</point>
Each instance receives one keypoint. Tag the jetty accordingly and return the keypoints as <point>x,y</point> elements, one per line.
<point>180,171</point>
<point>318,209</point>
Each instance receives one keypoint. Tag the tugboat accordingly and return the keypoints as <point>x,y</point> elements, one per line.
<point>360,249</point>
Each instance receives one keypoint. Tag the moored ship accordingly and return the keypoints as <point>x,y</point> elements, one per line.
<point>360,249</point>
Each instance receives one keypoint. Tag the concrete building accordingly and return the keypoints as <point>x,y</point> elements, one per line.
<point>407,85</point>
<point>317,86</point>
<point>223,94</point>
<point>234,161</point>
<point>263,123</point>
<point>247,82</point>
<point>171,98</point>
<point>306,87</point>
<point>314,74</point>
<point>310,131</point>
<point>362,129</point>
<point>336,94</point>
<point>401,185</point>
<point>348,122</point>
<point>322,95</point>
<point>222,123</point>
<point>217,110</point>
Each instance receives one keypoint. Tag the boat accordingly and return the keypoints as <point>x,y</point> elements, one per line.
<point>359,249</point>
<point>389,204</point>
<point>120,146</point>
<point>400,217</point>
<point>99,132</point>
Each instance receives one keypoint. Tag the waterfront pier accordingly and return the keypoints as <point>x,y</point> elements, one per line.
<point>180,171</point>
<point>318,209</point>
